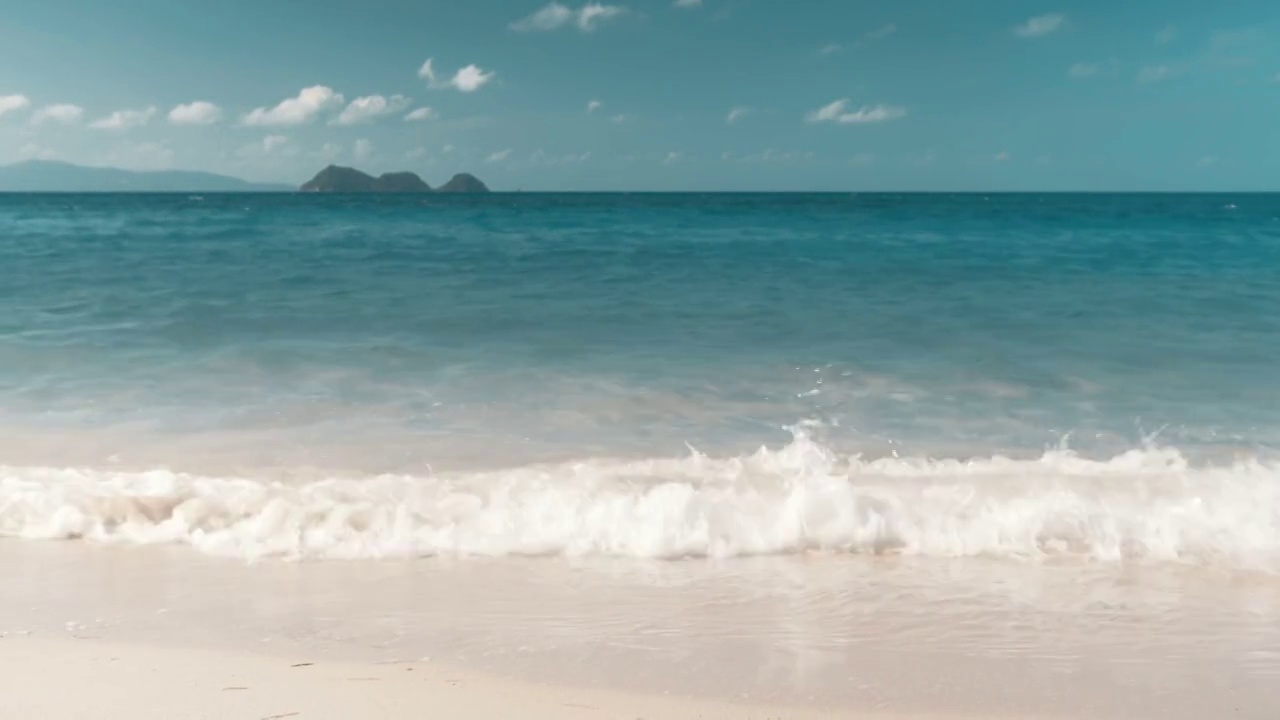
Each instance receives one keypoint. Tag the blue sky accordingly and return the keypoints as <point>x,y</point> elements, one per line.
<point>657,94</point>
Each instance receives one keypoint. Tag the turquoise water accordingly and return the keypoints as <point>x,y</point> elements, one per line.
<point>1027,375</point>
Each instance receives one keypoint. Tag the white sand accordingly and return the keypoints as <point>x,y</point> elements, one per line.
<point>88,631</point>
<point>89,679</point>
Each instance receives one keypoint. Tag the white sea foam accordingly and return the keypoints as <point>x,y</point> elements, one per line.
<point>1147,505</point>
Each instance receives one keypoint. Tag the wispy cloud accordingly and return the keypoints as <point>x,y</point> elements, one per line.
<point>196,113</point>
<point>1207,160</point>
<point>687,3</point>
<point>839,112</point>
<point>1084,70</point>
<point>881,33</point>
<point>467,79</point>
<point>299,110</point>
<point>1002,156</point>
<point>499,156</point>
<point>362,149</point>
<point>1040,25</point>
<point>1166,35</point>
<point>594,105</point>
<point>124,119</point>
<point>1156,73</point>
<point>862,159</point>
<point>61,113</point>
<point>421,114</point>
<point>541,157</point>
<point>620,118</point>
<point>13,103</point>
<point>772,155</point>
<point>555,16</point>
<point>870,36</point>
<point>737,114</point>
<point>672,158</point>
<point>271,142</point>
<point>370,107</point>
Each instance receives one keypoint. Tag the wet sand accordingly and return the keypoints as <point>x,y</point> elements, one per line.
<point>791,637</point>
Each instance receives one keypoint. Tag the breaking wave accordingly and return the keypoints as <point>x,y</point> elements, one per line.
<point>1145,505</point>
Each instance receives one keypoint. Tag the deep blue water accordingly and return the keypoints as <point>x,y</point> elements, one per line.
<point>587,324</point>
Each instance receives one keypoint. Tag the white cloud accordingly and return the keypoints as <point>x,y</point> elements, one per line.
<point>736,114</point>
<point>271,142</point>
<point>881,33</point>
<point>196,113</point>
<point>1040,26</point>
<point>446,149</point>
<point>498,156</point>
<point>687,3</point>
<point>831,49</point>
<point>370,107</point>
<point>416,153</point>
<point>838,112</point>
<point>1207,160</point>
<point>422,114</point>
<point>1003,156</point>
<point>362,149</point>
<point>466,79</point>
<point>672,158</point>
<point>299,110</point>
<point>470,78</point>
<point>1166,35</point>
<point>594,105</point>
<point>591,12</point>
<point>1156,73</point>
<point>329,150</point>
<point>555,16</point>
<point>124,119</point>
<point>620,118</point>
<point>11,103</point>
<point>62,113</point>
<point>1084,70</point>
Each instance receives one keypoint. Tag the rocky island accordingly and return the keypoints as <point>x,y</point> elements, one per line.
<point>337,179</point>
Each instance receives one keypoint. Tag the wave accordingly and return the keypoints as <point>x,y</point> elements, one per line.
<point>1145,505</point>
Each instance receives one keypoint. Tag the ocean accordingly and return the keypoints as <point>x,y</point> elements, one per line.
<point>937,455</point>
<point>1020,376</point>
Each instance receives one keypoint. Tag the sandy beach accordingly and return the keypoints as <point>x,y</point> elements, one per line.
<point>163,632</point>
<point>117,681</point>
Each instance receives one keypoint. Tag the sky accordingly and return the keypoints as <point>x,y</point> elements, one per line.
<point>657,94</point>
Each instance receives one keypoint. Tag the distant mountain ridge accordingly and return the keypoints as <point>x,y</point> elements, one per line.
<point>53,176</point>
<point>339,179</point>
